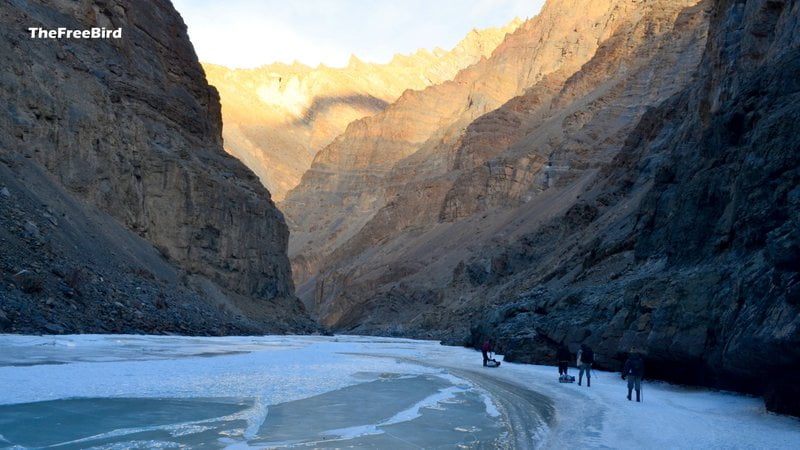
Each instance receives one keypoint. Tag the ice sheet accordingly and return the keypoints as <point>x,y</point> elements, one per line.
<point>274,373</point>
<point>290,375</point>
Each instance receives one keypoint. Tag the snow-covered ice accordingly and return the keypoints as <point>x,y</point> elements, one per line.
<point>330,392</point>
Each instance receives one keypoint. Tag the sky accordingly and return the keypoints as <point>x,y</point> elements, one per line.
<point>250,33</point>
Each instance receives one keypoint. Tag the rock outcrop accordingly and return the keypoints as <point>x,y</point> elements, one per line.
<point>129,128</point>
<point>277,117</point>
<point>638,193</point>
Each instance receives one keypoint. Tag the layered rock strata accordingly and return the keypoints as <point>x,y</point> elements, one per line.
<point>349,180</point>
<point>130,128</point>
<point>438,156</point>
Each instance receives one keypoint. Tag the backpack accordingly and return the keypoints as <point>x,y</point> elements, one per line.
<point>637,367</point>
<point>587,357</point>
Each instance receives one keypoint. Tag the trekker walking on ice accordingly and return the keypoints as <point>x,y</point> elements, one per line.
<point>585,360</point>
<point>634,371</point>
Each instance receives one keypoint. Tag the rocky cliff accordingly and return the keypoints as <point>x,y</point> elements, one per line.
<point>416,137</point>
<point>686,245</point>
<point>637,192</point>
<point>277,117</point>
<point>409,167</point>
<point>129,129</point>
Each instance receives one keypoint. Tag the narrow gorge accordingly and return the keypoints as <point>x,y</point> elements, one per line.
<point>620,173</point>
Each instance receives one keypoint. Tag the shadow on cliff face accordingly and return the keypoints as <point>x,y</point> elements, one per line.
<point>321,104</point>
<point>709,283</point>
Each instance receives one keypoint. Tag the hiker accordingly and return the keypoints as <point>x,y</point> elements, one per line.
<point>563,356</point>
<point>584,362</point>
<point>485,349</point>
<point>634,371</point>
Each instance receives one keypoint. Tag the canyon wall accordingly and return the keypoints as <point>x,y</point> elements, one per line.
<point>686,245</point>
<point>416,137</point>
<point>129,128</point>
<point>638,192</point>
<point>277,117</point>
<point>417,167</point>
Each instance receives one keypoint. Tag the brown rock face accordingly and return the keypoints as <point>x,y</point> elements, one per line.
<point>277,117</point>
<point>685,245</point>
<point>644,199</point>
<point>364,213</point>
<point>130,126</point>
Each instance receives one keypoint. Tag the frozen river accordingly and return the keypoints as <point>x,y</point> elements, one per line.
<point>242,392</point>
<point>340,392</point>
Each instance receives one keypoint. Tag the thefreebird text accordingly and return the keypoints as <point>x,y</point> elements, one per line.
<point>66,33</point>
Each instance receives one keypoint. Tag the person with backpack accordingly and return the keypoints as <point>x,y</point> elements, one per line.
<point>563,356</point>
<point>584,362</point>
<point>634,372</point>
<point>485,349</point>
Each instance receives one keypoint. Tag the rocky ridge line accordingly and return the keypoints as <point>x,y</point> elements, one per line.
<point>277,117</point>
